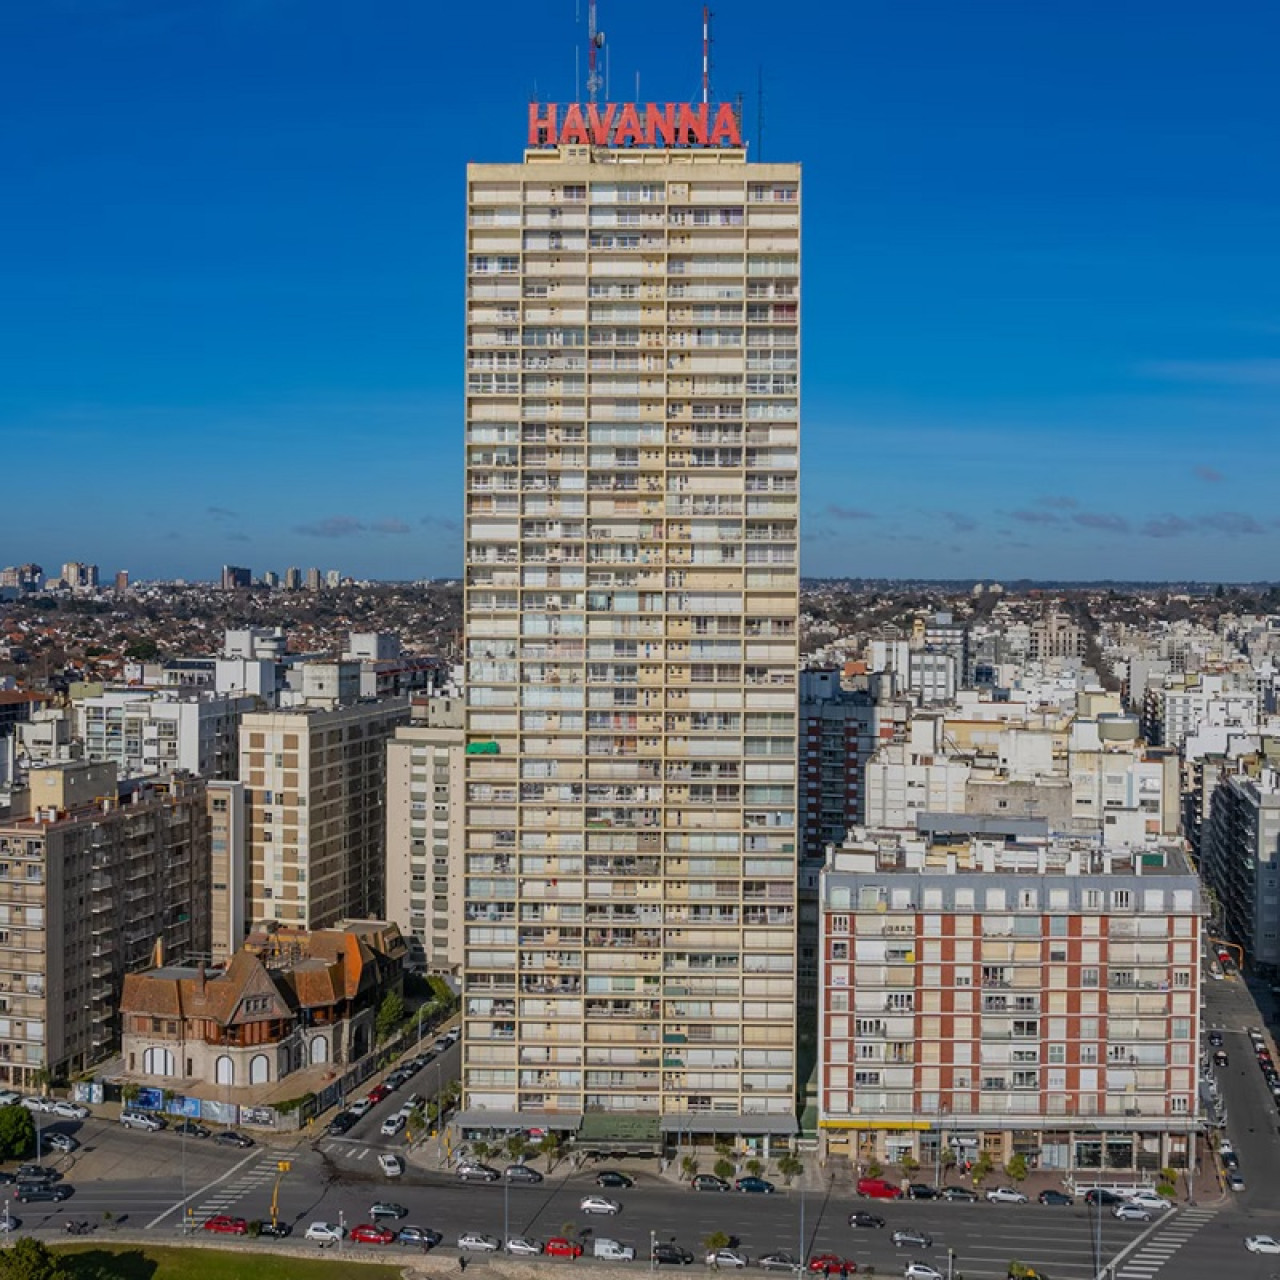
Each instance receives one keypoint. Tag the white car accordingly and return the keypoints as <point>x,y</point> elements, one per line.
<point>10,1223</point>
<point>392,1125</point>
<point>33,1103</point>
<point>69,1110</point>
<point>1130,1212</point>
<point>726,1258</point>
<point>477,1242</point>
<point>8,1097</point>
<point>325,1232</point>
<point>56,1141</point>
<point>523,1245</point>
<point>391,1166</point>
<point>360,1106</point>
<point>921,1271</point>
<point>1149,1200</point>
<point>1005,1195</point>
<point>1262,1244</point>
<point>599,1204</point>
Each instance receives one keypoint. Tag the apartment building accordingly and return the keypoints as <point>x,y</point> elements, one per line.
<point>147,731</point>
<point>315,782</point>
<point>1240,861</point>
<point>229,883</point>
<point>425,819</point>
<point>91,879</point>
<point>631,630</point>
<point>1012,995</point>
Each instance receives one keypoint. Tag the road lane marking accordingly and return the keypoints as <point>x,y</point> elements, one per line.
<point>204,1190</point>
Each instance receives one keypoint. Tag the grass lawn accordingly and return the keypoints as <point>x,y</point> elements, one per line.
<point>160,1262</point>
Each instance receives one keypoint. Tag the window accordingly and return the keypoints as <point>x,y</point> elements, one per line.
<point>1178,1105</point>
<point>866,1078</point>
<point>840,924</point>
<point>1121,900</point>
<point>1057,1053</point>
<point>839,950</point>
<point>1089,977</point>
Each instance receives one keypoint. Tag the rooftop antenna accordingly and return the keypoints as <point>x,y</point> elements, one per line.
<point>595,42</point>
<point>706,53</point>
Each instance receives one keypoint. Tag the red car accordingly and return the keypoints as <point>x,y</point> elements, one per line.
<point>226,1226</point>
<point>367,1233</point>
<point>879,1189</point>
<point>377,1093</point>
<point>832,1264</point>
<point>559,1247</point>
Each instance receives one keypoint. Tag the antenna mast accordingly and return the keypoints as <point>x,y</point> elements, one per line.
<point>706,53</point>
<point>595,42</point>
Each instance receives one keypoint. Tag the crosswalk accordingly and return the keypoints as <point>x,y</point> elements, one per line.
<point>348,1150</point>
<point>222,1195</point>
<point>1161,1245</point>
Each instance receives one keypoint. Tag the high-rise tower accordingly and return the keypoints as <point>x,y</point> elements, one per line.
<point>631,624</point>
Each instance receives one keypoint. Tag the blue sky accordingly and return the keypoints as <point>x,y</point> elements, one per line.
<point>1042,287</point>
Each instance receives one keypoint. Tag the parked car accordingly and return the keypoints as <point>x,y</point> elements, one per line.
<point>1221,1059</point>
<point>190,1129</point>
<point>141,1120</point>
<point>56,1191</point>
<point>1235,1182</point>
<point>612,1178</point>
<point>1262,1244</point>
<point>275,1230</point>
<point>33,1103</point>
<point>342,1123</point>
<point>1054,1197</point>
<point>523,1246</point>
<point>325,1232</point>
<point>832,1264</point>
<point>600,1204</point>
<point>860,1218</point>
<point>1100,1195</point>
<point>1149,1200</point>
<point>478,1242</point>
<point>561,1247</point>
<point>371,1233</point>
<point>708,1182</point>
<point>377,1093</point>
<point>755,1186</point>
<point>672,1255</point>
<point>68,1110</point>
<point>359,1107</point>
<point>1005,1195</point>
<point>612,1250</point>
<point>780,1260</point>
<point>1230,1160</point>
<point>392,1125</point>
<point>921,1191</point>
<point>965,1194</point>
<point>387,1209</point>
<point>912,1236</point>
<point>521,1173</point>
<point>419,1236</point>
<point>391,1165</point>
<point>1215,1039</point>
<point>474,1171</point>
<point>36,1173</point>
<point>56,1141</point>
<point>920,1271</point>
<point>224,1224</point>
<point>1131,1213</point>
<point>232,1138</point>
<point>726,1258</point>
<point>879,1189</point>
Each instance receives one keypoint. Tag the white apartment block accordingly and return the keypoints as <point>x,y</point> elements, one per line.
<point>631,629</point>
<point>425,818</point>
<point>145,731</point>
<point>315,784</point>
<point>1013,996</point>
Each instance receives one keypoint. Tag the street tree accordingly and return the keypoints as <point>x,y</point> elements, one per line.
<point>17,1132</point>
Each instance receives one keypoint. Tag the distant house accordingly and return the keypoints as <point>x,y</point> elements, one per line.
<point>288,999</point>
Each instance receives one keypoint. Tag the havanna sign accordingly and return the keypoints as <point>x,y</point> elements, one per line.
<point>630,124</point>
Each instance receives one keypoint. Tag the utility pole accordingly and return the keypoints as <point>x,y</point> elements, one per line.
<point>595,42</point>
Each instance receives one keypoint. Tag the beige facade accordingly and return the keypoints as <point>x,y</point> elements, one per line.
<point>631,623</point>
<point>314,790</point>
<point>88,886</point>
<point>228,870</point>
<point>425,833</point>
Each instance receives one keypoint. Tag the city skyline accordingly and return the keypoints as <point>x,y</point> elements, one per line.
<point>1040,278</point>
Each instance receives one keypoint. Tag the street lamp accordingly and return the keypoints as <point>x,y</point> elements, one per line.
<point>653,1248</point>
<point>506,1211</point>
